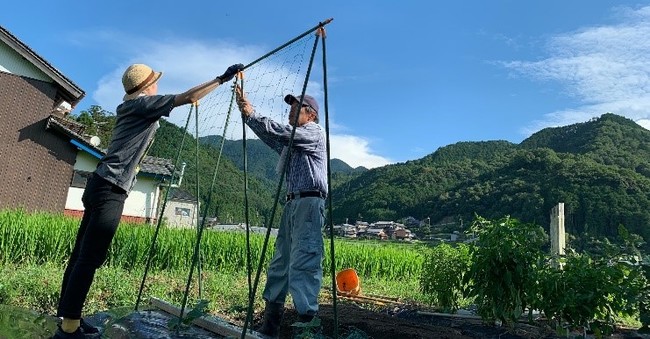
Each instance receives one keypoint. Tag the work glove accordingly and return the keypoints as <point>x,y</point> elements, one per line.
<point>230,73</point>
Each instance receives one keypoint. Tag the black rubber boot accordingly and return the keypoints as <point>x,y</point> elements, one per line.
<point>272,319</point>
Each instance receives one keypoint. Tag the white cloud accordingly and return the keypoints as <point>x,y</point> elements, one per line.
<point>184,64</point>
<point>355,151</point>
<point>644,123</point>
<point>187,63</point>
<point>606,68</point>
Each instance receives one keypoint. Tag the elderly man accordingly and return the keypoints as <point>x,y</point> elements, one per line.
<point>296,266</point>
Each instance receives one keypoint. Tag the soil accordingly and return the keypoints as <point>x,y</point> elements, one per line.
<point>355,321</point>
<point>404,322</point>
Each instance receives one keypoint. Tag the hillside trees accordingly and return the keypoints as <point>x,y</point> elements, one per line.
<point>599,169</point>
<point>99,122</point>
<point>227,199</point>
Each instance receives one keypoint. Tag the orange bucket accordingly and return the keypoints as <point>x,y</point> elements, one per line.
<point>347,281</point>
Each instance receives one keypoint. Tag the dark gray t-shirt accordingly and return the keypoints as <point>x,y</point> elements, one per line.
<point>135,125</point>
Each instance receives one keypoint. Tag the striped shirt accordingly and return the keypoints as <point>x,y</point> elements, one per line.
<point>307,169</point>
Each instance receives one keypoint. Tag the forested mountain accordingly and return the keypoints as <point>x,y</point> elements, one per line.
<point>610,140</point>
<point>262,160</point>
<point>409,189</point>
<point>227,202</point>
<point>599,169</point>
<point>339,166</point>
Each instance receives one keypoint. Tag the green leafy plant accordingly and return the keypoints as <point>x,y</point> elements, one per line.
<point>199,310</point>
<point>589,290</point>
<point>644,298</point>
<point>503,272</point>
<point>442,275</point>
<point>307,330</point>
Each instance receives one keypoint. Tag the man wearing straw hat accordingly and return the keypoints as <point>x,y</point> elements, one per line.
<point>296,266</point>
<point>136,123</point>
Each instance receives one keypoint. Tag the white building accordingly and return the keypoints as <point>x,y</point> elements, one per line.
<point>141,205</point>
<point>181,209</point>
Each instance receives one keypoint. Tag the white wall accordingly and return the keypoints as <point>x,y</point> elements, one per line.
<point>84,162</point>
<point>175,219</point>
<point>142,201</point>
<point>12,62</point>
<point>143,198</point>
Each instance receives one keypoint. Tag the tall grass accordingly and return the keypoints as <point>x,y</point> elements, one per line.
<point>378,259</point>
<point>45,238</point>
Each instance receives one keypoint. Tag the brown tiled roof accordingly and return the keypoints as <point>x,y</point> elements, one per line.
<point>181,195</point>
<point>71,128</point>
<point>154,165</point>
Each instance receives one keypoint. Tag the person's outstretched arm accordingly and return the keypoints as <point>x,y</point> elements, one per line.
<point>194,94</point>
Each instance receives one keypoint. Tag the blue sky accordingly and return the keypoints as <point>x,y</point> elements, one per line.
<point>404,77</point>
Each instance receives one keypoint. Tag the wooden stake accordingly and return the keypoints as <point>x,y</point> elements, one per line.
<point>212,324</point>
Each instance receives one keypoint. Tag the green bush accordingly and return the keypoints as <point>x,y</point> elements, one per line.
<point>442,275</point>
<point>591,290</point>
<point>505,259</point>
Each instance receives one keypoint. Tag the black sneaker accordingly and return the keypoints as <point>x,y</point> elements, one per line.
<point>60,334</point>
<point>305,318</point>
<point>87,328</point>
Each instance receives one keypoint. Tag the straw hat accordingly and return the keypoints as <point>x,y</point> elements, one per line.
<point>137,78</point>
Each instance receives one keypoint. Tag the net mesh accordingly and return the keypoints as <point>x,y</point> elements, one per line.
<point>265,84</point>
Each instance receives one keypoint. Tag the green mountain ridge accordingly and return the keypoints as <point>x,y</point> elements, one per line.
<point>262,160</point>
<point>226,198</point>
<point>599,169</point>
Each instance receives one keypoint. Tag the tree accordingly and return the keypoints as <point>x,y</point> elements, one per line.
<point>99,122</point>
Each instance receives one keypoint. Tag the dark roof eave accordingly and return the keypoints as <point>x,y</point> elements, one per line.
<point>151,166</point>
<point>75,93</point>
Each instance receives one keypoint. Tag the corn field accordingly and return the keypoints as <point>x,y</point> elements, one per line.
<point>39,238</point>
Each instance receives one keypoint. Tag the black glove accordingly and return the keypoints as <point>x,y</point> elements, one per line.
<point>230,73</point>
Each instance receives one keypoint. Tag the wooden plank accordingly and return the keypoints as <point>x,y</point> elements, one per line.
<point>371,299</point>
<point>352,298</point>
<point>212,324</point>
<point>364,296</point>
<point>449,315</point>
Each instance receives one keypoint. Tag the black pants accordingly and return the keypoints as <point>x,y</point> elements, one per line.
<point>103,206</point>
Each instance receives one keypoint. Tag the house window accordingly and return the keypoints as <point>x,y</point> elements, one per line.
<point>79,178</point>
<point>182,211</point>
